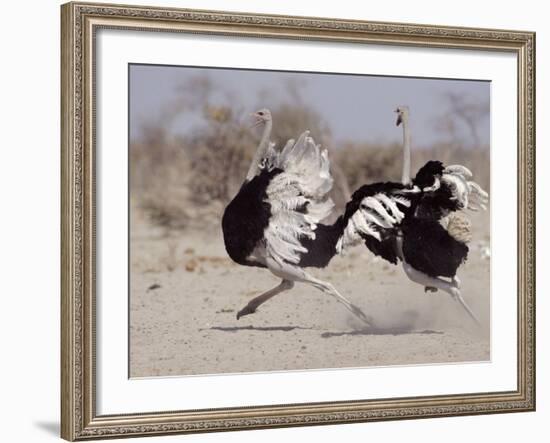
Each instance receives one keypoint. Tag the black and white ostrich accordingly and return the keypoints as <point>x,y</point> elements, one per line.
<point>273,221</point>
<point>417,222</point>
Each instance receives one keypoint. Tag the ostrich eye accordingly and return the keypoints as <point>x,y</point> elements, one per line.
<point>260,113</point>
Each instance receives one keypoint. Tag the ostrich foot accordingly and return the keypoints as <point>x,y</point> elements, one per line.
<point>430,289</point>
<point>245,311</point>
<point>434,282</point>
<point>367,319</point>
<point>253,304</point>
<point>457,296</point>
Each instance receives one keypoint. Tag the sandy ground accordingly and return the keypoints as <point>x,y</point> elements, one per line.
<point>185,293</point>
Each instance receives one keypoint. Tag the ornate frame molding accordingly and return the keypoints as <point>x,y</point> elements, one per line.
<point>79,420</point>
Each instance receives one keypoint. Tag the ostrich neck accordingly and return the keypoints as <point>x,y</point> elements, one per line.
<point>260,152</point>
<point>406,175</point>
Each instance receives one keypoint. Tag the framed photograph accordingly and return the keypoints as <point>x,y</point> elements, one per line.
<point>283,221</point>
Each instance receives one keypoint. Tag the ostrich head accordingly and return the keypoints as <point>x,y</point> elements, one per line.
<point>261,116</point>
<point>402,114</point>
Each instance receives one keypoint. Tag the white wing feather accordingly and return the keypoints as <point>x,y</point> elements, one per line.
<point>469,194</point>
<point>298,198</point>
<point>375,214</point>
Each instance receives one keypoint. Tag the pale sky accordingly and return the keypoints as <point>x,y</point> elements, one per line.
<point>356,107</point>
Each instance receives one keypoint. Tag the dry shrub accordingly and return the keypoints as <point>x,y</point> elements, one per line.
<point>186,182</point>
<point>364,163</point>
<point>219,157</point>
<point>290,120</point>
<point>159,178</point>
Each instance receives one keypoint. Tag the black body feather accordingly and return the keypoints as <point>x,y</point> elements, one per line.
<point>246,218</point>
<point>425,177</point>
<point>322,248</point>
<point>373,189</point>
<point>433,204</point>
<point>429,248</point>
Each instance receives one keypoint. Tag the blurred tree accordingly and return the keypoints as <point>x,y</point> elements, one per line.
<point>465,110</point>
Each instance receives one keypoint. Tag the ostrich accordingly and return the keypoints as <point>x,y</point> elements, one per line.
<point>273,221</point>
<point>425,222</point>
<point>416,222</point>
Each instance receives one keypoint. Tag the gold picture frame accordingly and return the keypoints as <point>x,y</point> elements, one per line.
<point>79,22</point>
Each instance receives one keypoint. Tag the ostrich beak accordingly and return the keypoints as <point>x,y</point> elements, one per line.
<point>399,119</point>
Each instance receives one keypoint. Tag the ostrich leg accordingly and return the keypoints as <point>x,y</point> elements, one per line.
<point>449,288</point>
<point>293,273</point>
<point>329,289</point>
<point>253,304</point>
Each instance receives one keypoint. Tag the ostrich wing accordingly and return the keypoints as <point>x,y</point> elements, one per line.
<point>373,216</point>
<point>454,191</point>
<point>298,198</point>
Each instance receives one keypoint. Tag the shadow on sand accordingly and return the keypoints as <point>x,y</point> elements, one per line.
<point>393,330</point>
<point>255,328</point>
